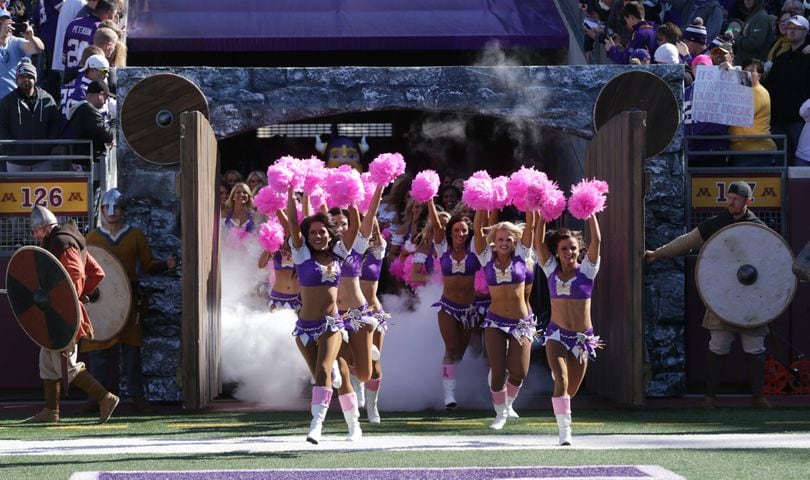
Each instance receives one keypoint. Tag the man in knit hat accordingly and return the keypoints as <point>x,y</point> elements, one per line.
<point>28,113</point>
<point>694,36</point>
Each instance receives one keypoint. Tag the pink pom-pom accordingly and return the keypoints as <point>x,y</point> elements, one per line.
<point>396,268</point>
<point>425,185</point>
<point>386,168</point>
<point>500,195</point>
<point>478,191</point>
<point>271,236</point>
<point>407,272</point>
<point>287,171</point>
<point>518,185</point>
<point>587,198</point>
<point>368,192</point>
<point>386,234</point>
<point>481,286</point>
<point>553,203</point>
<point>344,187</point>
<point>314,174</point>
<point>268,200</point>
<point>317,198</point>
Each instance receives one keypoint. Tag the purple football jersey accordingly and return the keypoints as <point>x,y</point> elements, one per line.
<point>78,36</point>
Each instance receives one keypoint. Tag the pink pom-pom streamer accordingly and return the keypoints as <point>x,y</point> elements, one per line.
<point>314,174</point>
<point>268,200</point>
<point>587,198</point>
<point>285,172</point>
<point>481,282</point>
<point>271,236</point>
<point>500,195</point>
<point>386,168</point>
<point>478,191</point>
<point>317,198</point>
<point>344,187</point>
<point>518,185</point>
<point>553,203</point>
<point>425,185</point>
<point>368,192</point>
<point>396,268</point>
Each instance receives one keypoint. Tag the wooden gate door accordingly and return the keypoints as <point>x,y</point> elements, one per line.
<point>199,189</point>
<point>616,155</point>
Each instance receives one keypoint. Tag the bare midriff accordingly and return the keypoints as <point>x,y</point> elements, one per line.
<point>349,294</point>
<point>459,289</point>
<point>318,302</point>
<point>571,314</point>
<point>508,301</point>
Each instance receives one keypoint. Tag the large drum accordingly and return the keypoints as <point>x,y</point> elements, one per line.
<point>43,298</point>
<point>109,307</point>
<point>744,276</point>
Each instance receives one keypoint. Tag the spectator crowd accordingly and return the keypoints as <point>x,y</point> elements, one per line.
<point>57,78</point>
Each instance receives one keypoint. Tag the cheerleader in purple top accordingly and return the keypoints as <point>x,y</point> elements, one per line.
<point>509,327</point>
<point>457,313</point>
<point>569,338</point>
<point>369,282</point>
<point>353,307</point>
<point>285,291</point>
<point>319,330</point>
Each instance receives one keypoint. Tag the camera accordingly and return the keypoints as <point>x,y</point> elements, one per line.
<point>608,33</point>
<point>19,29</point>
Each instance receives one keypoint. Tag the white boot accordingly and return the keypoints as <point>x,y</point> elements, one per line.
<point>318,416</point>
<point>564,425</point>
<point>510,412</point>
<point>501,415</point>
<point>360,389</point>
<point>348,403</point>
<point>449,385</point>
<point>371,406</point>
<point>337,378</point>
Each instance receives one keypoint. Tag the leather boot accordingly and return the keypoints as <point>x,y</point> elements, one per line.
<point>348,403</point>
<point>756,379</point>
<point>106,400</point>
<point>501,412</point>
<point>712,379</point>
<point>49,414</point>
<point>372,396</point>
<point>449,385</point>
<point>321,397</point>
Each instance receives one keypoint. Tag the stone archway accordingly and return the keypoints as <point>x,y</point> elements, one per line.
<point>243,99</point>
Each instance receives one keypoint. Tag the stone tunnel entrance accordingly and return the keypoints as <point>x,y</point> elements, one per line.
<point>458,118</point>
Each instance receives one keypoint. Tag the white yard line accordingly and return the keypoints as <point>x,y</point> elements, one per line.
<point>135,445</point>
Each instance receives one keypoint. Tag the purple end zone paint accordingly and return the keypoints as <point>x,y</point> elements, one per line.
<point>617,471</point>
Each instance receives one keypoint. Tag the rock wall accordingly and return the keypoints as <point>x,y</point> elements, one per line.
<point>243,99</point>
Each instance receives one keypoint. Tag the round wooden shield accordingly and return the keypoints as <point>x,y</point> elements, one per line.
<point>802,265</point>
<point>110,307</point>
<point>744,276</point>
<point>43,298</point>
<point>150,115</point>
<point>641,90</point>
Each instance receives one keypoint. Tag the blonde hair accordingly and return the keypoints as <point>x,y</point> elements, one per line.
<point>243,186</point>
<point>515,231</point>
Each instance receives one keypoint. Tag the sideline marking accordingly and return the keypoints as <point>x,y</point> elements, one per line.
<point>607,472</point>
<point>143,445</point>
<point>88,427</point>
<point>448,423</point>
<point>681,424</point>
<point>575,424</point>
<point>207,425</point>
<point>788,422</point>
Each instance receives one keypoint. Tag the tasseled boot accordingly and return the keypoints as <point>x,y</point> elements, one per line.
<point>372,396</point>
<point>449,384</point>
<point>49,414</point>
<point>321,397</point>
<point>106,400</point>
<point>562,410</point>
<point>348,403</point>
<point>501,413</point>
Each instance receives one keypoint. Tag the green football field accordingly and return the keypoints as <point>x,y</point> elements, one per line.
<point>738,443</point>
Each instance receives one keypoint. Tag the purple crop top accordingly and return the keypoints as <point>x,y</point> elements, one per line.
<point>372,262</point>
<point>579,287</point>
<point>515,273</point>
<point>352,263</point>
<point>282,261</point>
<point>450,267</point>
<point>311,273</point>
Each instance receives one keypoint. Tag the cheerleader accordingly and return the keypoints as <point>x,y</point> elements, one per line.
<point>285,291</point>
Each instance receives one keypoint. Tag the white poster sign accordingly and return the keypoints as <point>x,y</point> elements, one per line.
<point>723,96</point>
